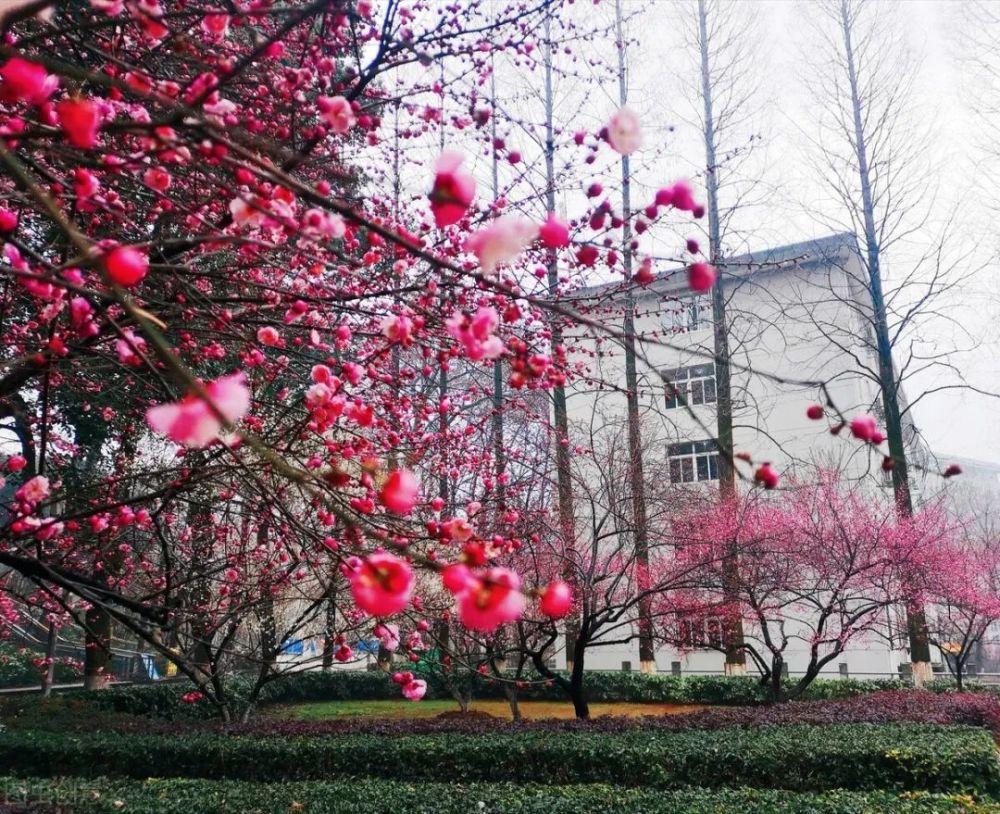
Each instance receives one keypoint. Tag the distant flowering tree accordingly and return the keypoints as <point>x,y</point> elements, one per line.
<point>964,600</point>
<point>818,568</point>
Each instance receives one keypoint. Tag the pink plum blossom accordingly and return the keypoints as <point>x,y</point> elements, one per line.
<point>415,690</point>
<point>25,81</point>
<point>382,584</point>
<point>625,131</point>
<point>865,428</point>
<point>80,120</point>
<point>337,113</point>
<point>557,599</point>
<point>476,333</point>
<point>701,276</point>
<point>192,422</point>
<point>490,599</point>
<point>400,492</point>
<point>126,265</point>
<point>766,476</point>
<point>34,490</point>
<point>453,190</point>
<point>554,233</point>
<point>269,336</point>
<point>501,241</point>
<point>388,636</point>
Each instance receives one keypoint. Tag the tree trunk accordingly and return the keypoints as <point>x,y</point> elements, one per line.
<point>97,655</point>
<point>50,659</point>
<point>578,690</point>
<point>777,672</point>
<point>515,706</point>
<point>647,653</point>
<point>560,414</point>
<point>916,621</point>
<point>329,628</point>
<point>732,631</point>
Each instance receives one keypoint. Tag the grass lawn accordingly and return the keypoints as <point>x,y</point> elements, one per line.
<point>397,710</point>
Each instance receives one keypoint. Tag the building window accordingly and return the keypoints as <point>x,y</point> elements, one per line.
<point>687,314</point>
<point>693,461</point>
<point>695,385</point>
<point>701,633</point>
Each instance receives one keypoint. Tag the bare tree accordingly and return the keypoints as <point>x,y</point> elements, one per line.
<point>722,39</point>
<point>872,161</point>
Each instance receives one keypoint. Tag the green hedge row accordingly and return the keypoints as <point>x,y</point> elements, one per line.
<point>164,700</point>
<point>18,670</point>
<point>362,797</point>
<point>800,757</point>
<point>603,686</point>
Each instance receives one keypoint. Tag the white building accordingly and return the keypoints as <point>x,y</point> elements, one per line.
<point>797,316</point>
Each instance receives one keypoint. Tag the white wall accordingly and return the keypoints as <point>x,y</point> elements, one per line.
<point>787,326</point>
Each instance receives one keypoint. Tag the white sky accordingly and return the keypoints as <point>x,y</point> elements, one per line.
<point>790,202</point>
<point>793,205</point>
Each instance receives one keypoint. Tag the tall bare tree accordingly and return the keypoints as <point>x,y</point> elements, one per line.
<point>647,653</point>
<point>872,158</point>
<point>725,51</point>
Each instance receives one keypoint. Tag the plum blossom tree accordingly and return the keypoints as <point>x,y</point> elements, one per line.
<point>964,600</point>
<point>238,352</point>
<point>201,256</point>
<point>819,568</point>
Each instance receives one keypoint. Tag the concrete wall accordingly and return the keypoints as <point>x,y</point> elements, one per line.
<point>787,327</point>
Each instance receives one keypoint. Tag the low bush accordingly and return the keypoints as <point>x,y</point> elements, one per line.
<point>361,797</point>
<point>900,706</point>
<point>23,668</point>
<point>800,757</point>
<point>164,700</point>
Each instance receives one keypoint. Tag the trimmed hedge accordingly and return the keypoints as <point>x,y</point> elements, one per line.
<point>164,700</point>
<point>878,708</point>
<point>362,797</point>
<point>802,757</point>
<point>610,686</point>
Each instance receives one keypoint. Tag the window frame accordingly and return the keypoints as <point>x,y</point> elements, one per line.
<point>696,383</point>
<point>693,313</point>
<point>693,462</point>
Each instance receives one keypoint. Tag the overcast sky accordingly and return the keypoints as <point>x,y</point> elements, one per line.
<point>792,204</point>
<point>788,202</point>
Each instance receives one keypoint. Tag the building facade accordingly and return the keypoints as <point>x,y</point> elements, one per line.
<point>799,334</point>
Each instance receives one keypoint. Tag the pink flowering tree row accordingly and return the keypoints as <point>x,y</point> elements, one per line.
<point>276,361</point>
<point>226,328</point>
<point>822,569</point>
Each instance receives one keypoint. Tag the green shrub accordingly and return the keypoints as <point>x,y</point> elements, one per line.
<point>17,668</point>
<point>361,797</point>
<point>801,757</point>
<point>946,685</point>
<point>164,700</point>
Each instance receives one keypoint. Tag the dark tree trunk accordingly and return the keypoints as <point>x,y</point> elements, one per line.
<point>97,655</point>
<point>560,413</point>
<point>577,684</point>
<point>732,631</point>
<point>637,485</point>
<point>916,621</point>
